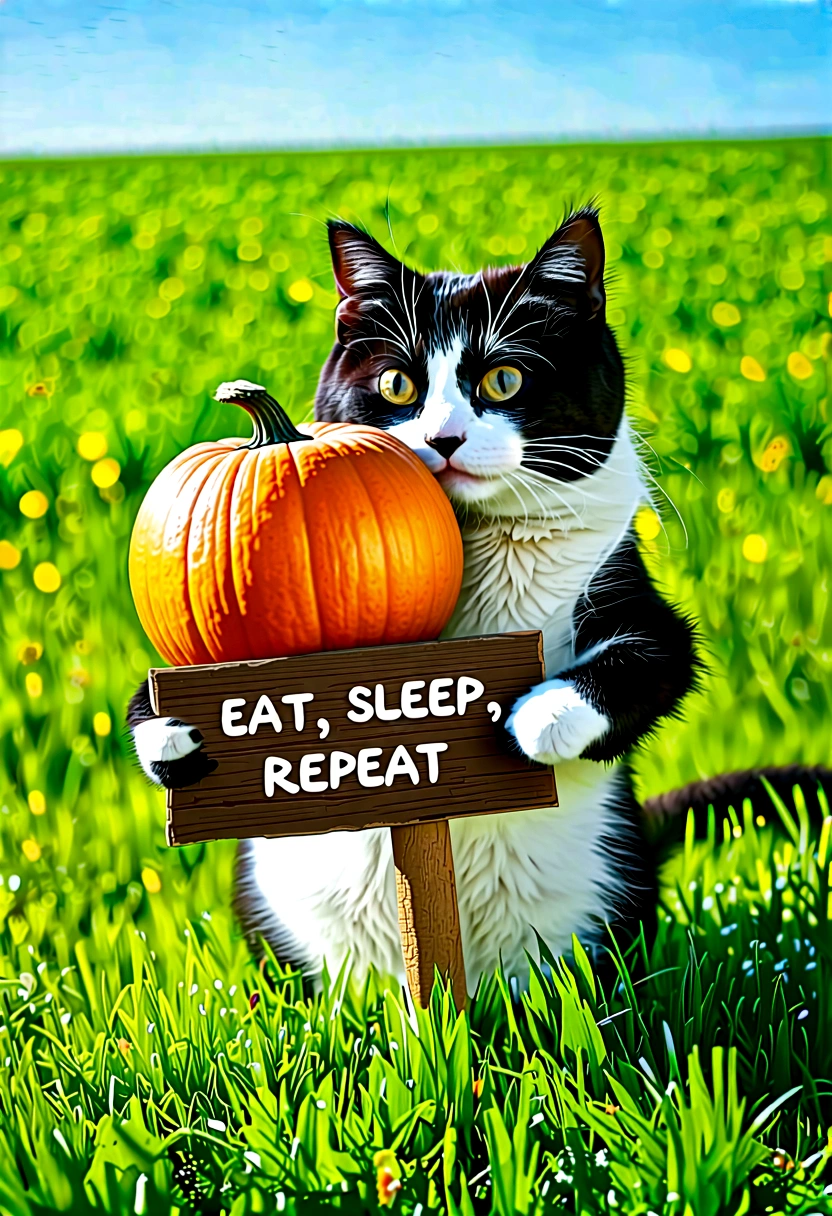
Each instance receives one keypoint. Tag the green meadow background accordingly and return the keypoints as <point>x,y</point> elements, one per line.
<point>129,288</point>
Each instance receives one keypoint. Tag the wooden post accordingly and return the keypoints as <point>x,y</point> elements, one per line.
<point>428,911</point>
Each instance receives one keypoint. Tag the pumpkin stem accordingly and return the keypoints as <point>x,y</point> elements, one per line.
<point>271,422</point>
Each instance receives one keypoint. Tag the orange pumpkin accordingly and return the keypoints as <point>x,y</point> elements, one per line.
<point>296,540</point>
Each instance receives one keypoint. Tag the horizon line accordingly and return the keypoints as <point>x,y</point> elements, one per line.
<point>743,134</point>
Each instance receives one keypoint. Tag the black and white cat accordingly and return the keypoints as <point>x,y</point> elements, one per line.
<point>509,385</point>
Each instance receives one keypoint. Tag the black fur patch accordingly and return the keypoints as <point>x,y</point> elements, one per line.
<point>646,660</point>
<point>139,708</point>
<point>187,770</point>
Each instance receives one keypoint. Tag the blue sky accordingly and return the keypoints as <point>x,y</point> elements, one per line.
<point>85,76</point>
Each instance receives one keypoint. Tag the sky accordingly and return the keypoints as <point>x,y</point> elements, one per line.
<point>80,76</point>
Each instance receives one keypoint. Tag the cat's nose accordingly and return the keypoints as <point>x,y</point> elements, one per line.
<point>445,445</point>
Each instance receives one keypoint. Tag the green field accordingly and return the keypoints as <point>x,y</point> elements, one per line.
<point>129,1034</point>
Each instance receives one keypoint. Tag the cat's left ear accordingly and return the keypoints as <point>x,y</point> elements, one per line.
<point>364,271</point>
<point>572,260</point>
<point>360,264</point>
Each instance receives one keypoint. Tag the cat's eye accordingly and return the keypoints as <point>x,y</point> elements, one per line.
<point>397,387</point>
<point>500,383</point>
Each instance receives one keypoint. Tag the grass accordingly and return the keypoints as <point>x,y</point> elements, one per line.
<point>149,1064</point>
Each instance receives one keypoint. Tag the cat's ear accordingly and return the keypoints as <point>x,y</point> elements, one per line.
<point>572,260</point>
<point>363,270</point>
<point>360,264</point>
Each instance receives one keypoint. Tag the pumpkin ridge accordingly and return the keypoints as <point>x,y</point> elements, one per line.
<point>232,608</point>
<point>238,572</point>
<point>227,607</point>
<point>389,564</point>
<point>174,641</point>
<point>352,463</point>
<point>312,582</point>
<point>186,591</point>
<point>388,573</point>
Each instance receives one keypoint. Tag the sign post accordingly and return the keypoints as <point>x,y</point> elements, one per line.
<point>404,737</point>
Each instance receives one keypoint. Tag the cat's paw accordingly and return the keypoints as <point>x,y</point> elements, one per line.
<point>553,722</point>
<point>170,752</point>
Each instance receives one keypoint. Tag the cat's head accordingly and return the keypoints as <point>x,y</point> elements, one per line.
<point>496,379</point>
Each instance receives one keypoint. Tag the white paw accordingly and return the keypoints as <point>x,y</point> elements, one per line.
<point>160,739</point>
<point>553,722</point>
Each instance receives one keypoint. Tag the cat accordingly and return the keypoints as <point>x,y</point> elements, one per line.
<point>509,385</point>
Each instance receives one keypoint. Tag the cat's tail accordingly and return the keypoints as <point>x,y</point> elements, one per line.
<point>665,816</point>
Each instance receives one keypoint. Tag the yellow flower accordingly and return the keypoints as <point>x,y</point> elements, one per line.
<point>250,251</point>
<point>33,504</point>
<point>171,289</point>
<point>47,577</point>
<point>193,257</point>
<point>647,523</point>
<point>791,277</point>
<point>726,500</point>
<point>152,881</point>
<point>677,360</point>
<point>29,652</point>
<point>824,490</point>
<point>11,441</point>
<point>34,684</point>
<point>751,369</point>
<point>775,454</point>
<point>92,445</point>
<point>726,315</point>
<point>37,802</point>
<point>124,1046</point>
<point>799,366</point>
<point>9,555</point>
<point>301,291</point>
<point>31,850</point>
<point>755,548</point>
<point>388,1176</point>
<point>102,724</point>
<point>105,473</point>
<point>157,308</point>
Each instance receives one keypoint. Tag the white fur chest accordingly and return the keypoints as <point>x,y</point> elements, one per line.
<point>524,575</point>
<point>528,562</point>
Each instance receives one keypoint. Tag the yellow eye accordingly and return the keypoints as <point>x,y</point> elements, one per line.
<point>397,387</point>
<point>500,383</point>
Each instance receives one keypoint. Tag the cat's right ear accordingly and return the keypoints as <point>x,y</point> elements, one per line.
<point>363,270</point>
<point>359,263</point>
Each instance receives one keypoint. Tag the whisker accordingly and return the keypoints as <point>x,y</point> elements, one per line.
<point>523,482</point>
<point>548,481</point>
<point>561,500</point>
<point>504,477</point>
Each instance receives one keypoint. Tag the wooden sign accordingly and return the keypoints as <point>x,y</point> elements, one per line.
<point>403,736</point>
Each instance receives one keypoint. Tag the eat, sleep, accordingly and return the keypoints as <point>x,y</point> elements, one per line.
<point>439,698</point>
